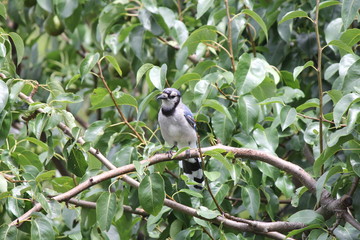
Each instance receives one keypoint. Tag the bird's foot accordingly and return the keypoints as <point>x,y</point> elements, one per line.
<point>187,153</point>
<point>169,153</point>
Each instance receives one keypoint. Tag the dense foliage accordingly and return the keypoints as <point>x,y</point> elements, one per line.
<point>80,80</point>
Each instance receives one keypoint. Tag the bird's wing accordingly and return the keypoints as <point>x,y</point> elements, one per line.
<point>189,117</point>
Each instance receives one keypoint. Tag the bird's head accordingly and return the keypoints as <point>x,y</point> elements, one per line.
<point>170,97</point>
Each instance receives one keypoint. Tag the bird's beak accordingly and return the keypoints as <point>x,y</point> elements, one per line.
<point>162,96</point>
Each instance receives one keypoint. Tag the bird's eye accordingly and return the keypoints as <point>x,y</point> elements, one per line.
<point>172,96</point>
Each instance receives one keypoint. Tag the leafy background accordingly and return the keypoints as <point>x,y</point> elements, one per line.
<point>79,83</point>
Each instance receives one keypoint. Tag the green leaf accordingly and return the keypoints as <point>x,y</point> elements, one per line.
<point>348,11</point>
<point>250,73</point>
<point>67,98</point>
<point>25,158</point>
<point>350,36</point>
<point>100,98</point>
<point>268,170</point>
<point>205,34</point>
<point>223,128</point>
<point>202,67</point>
<point>114,63</point>
<point>220,191</point>
<point>142,71</point>
<point>88,63</point>
<point>257,19</point>
<point>72,80</point>
<point>355,163</point>
<point>41,229</point>
<point>340,44</point>
<point>8,232</point>
<point>267,139</point>
<point>307,228</point>
<point>342,106</point>
<point>218,107</point>
<point>286,186</point>
<point>45,176</point>
<point>292,15</point>
<point>320,183</point>
<point>76,162</point>
<point>2,50</point>
<point>353,116</point>
<point>329,152</point>
<point>307,217</point>
<point>287,116</point>
<point>63,184</point>
<point>4,95</point>
<point>66,8</point>
<point>191,193</point>
<point>152,193</point>
<point>145,102</point>
<point>105,210</point>
<point>212,176</point>
<point>188,77</point>
<point>248,112</point>
<point>311,103</point>
<point>326,4</point>
<point>251,199</point>
<point>46,5</point>
<point>352,78</point>
<point>108,17</point>
<point>95,131</point>
<point>19,46</point>
<point>3,184</point>
<point>2,13</point>
<point>203,6</point>
<point>299,69</point>
<point>157,76</point>
<point>150,5</point>
<point>207,213</point>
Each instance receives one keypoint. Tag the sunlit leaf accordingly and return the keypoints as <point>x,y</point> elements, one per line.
<point>292,15</point>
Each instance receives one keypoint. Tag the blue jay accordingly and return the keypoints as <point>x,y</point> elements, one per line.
<point>178,129</point>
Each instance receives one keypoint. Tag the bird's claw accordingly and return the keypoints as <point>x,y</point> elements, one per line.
<point>169,153</point>
<point>187,153</point>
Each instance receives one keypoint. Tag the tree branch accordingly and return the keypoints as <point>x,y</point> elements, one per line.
<point>123,118</point>
<point>230,35</point>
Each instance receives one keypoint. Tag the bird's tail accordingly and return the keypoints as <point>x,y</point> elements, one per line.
<point>192,169</point>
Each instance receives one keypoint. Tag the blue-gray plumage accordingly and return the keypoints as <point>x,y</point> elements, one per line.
<point>178,129</point>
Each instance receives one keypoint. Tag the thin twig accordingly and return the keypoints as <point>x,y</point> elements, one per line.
<point>319,77</point>
<point>123,118</point>
<point>205,178</point>
<point>208,233</point>
<point>179,10</point>
<point>263,200</point>
<point>230,35</point>
<point>354,185</point>
<point>317,119</point>
<point>192,58</point>
<point>224,94</point>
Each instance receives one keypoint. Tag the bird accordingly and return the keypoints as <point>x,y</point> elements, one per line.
<point>178,128</point>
